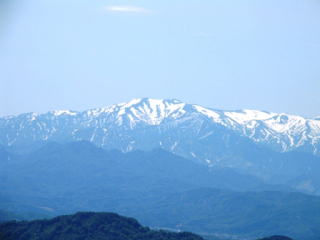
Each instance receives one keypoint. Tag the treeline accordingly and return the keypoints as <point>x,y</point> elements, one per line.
<point>87,226</point>
<point>92,226</point>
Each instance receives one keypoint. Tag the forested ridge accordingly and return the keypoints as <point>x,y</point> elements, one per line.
<point>87,226</point>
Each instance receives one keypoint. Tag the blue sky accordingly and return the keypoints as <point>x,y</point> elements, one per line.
<point>80,54</point>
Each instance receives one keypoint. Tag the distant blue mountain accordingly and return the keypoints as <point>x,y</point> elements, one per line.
<point>278,148</point>
<point>159,188</point>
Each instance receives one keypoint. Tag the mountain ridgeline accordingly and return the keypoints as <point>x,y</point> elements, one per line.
<point>93,226</point>
<point>279,148</point>
<point>182,128</point>
<point>223,174</point>
<point>87,226</point>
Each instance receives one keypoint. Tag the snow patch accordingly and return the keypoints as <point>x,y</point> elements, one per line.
<point>209,113</point>
<point>63,112</point>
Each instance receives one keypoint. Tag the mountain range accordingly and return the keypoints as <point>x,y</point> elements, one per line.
<point>278,148</point>
<point>225,174</point>
<point>170,124</point>
<point>160,189</point>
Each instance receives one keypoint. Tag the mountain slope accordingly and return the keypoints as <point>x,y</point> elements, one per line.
<point>46,178</point>
<point>248,141</point>
<point>157,187</point>
<point>182,128</point>
<point>87,226</point>
<point>247,215</point>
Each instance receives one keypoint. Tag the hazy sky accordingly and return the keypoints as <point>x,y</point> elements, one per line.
<point>80,54</point>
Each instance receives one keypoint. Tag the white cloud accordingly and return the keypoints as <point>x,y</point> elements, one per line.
<point>127,9</point>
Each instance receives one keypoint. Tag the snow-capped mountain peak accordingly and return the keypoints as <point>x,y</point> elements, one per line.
<point>147,110</point>
<point>118,123</point>
<point>63,112</point>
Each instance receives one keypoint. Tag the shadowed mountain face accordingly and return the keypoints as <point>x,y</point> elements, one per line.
<point>248,214</point>
<point>158,188</point>
<point>253,165</point>
<point>78,173</point>
<point>87,226</point>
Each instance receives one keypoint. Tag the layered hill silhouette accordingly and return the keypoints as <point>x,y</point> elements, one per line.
<point>158,188</point>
